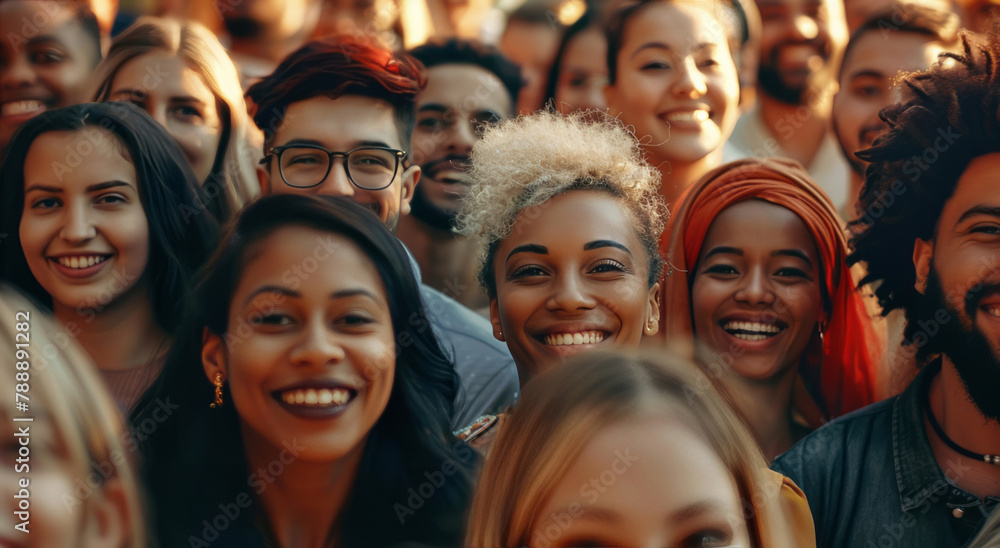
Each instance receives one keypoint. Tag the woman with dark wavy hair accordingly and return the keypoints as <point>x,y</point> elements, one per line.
<point>108,231</point>
<point>312,400</point>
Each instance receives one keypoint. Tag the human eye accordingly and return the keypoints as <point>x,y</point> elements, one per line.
<point>47,57</point>
<point>45,203</point>
<point>988,229</point>
<point>722,269</point>
<point>356,319</point>
<point>274,319</point>
<point>431,123</point>
<point>527,271</point>
<point>483,121</point>
<point>112,199</point>
<point>187,112</point>
<point>655,65</point>
<point>609,265</point>
<point>305,156</point>
<point>707,538</point>
<point>792,272</point>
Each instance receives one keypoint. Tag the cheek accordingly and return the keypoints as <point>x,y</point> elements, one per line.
<point>706,296</point>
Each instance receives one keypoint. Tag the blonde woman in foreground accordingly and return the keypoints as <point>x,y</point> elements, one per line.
<point>69,459</point>
<point>619,450</point>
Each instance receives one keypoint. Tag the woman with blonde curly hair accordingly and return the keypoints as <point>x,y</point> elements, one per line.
<point>569,217</point>
<point>180,74</point>
<point>73,466</point>
<point>622,450</point>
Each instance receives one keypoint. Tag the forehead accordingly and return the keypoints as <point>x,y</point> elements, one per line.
<point>160,73</point>
<point>888,53</point>
<point>757,224</point>
<point>464,87</point>
<point>51,154</point>
<point>322,262</point>
<point>42,18</point>
<point>339,124</point>
<point>978,186</point>
<point>680,25</point>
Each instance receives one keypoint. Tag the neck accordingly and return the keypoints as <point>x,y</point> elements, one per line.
<point>966,426</point>
<point>799,129</point>
<point>269,48</point>
<point>304,501</point>
<point>121,335</point>
<point>766,405</point>
<point>675,177</point>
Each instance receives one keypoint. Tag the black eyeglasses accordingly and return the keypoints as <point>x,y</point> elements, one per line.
<point>305,166</point>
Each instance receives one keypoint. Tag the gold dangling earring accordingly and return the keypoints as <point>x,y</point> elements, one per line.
<point>218,392</point>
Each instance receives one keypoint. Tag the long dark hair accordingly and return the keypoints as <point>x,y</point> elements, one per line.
<point>195,460</point>
<point>181,232</point>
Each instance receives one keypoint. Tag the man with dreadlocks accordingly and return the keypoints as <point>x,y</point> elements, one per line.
<point>923,469</point>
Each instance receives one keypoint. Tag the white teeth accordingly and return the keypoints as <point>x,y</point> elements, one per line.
<point>312,397</point>
<point>688,116</point>
<point>751,329</point>
<point>82,261</point>
<point>14,108</point>
<point>567,339</point>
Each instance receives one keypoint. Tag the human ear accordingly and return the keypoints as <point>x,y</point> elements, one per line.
<point>923,252</point>
<point>264,180</point>
<point>109,519</point>
<point>213,355</point>
<point>653,311</point>
<point>495,320</point>
<point>409,183</point>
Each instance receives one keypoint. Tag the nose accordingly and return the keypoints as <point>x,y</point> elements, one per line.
<point>461,137</point>
<point>336,182</point>
<point>570,295</point>
<point>804,27</point>
<point>79,225</point>
<point>317,345</point>
<point>756,289</point>
<point>18,72</point>
<point>595,95</point>
<point>690,81</point>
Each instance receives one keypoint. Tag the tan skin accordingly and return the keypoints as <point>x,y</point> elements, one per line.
<point>967,237</point>
<point>759,265</point>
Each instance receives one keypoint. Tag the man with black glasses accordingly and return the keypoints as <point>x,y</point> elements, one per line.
<point>337,116</point>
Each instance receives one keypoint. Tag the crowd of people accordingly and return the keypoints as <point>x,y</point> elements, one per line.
<point>681,273</point>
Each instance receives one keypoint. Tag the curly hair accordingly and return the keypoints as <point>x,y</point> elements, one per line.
<point>950,116</point>
<point>527,161</point>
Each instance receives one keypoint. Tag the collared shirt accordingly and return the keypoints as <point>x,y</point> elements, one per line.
<point>752,138</point>
<point>872,480</point>
<point>486,371</point>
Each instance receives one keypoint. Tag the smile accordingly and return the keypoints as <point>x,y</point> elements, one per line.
<point>322,397</point>
<point>16,108</point>
<point>687,116</point>
<point>81,261</point>
<point>569,339</point>
<point>751,331</point>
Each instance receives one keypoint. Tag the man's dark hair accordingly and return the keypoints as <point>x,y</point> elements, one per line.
<point>951,115</point>
<point>88,22</point>
<point>729,12</point>
<point>457,51</point>
<point>337,66</point>
<point>941,26</point>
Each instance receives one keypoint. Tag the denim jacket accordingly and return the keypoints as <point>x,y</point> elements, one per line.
<point>872,481</point>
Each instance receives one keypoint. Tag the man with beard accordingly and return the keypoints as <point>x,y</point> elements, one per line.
<point>469,86</point>
<point>263,32</point>
<point>905,40</point>
<point>802,42</point>
<point>337,117</point>
<point>923,468</point>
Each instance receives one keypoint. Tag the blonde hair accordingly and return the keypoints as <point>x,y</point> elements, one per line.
<point>526,161</point>
<point>562,410</point>
<point>66,389</point>
<point>233,173</point>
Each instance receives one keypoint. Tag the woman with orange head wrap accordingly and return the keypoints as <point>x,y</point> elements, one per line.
<point>757,272</point>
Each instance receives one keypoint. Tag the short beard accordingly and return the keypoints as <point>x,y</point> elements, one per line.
<point>774,86</point>
<point>857,165</point>
<point>968,349</point>
<point>424,211</point>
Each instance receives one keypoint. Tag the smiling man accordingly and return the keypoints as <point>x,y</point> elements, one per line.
<point>47,51</point>
<point>469,86</point>
<point>923,469</point>
<point>337,116</point>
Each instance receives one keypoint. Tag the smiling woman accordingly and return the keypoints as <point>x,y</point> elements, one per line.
<point>759,277</point>
<point>570,218</point>
<point>101,201</point>
<point>308,361</point>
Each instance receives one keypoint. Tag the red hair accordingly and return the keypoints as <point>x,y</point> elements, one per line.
<point>845,375</point>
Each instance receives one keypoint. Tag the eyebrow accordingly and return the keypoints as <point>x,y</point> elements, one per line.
<point>726,250</point>
<point>597,244</point>
<point>342,294</point>
<point>92,188</point>
<point>992,211</point>
<point>867,73</point>
<point>142,94</point>
<point>313,142</point>
<point>433,107</point>
<point>695,510</point>
<point>595,514</point>
<point>662,45</point>
<point>45,39</point>
<point>527,248</point>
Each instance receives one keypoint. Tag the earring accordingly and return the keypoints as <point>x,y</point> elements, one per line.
<point>820,327</point>
<point>218,392</point>
<point>649,328</point>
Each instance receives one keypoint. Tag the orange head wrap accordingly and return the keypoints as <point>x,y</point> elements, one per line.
<point>846,375</point>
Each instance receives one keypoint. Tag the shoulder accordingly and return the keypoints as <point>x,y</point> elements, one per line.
<point>477,429</point>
